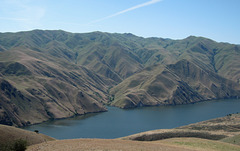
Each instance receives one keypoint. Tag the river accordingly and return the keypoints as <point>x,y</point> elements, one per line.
<point>122,122</point>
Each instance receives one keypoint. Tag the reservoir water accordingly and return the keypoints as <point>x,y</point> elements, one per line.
<point>121,122</point>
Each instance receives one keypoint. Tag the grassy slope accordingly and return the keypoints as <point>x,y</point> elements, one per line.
<point>228,125</point>
<point>233,140</point>
<point>216,129</point>
<point>101,144</point>
<point>9,134</point>
<point>201,144</point>
<point>181,144</point>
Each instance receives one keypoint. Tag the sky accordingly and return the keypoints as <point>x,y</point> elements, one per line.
<point>176,19</point>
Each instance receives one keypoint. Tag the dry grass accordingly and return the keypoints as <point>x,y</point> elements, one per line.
<point>201,144</point>
<point>232,140</point>
<point>228,125</point>
<point>214,129</point>
<point>10,134</point>
<point>174,144</point>
<point>104,145</point>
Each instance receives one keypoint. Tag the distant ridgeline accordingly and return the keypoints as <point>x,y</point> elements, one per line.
<point>56,74</point>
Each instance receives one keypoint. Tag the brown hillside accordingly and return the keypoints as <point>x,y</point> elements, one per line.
<point>10,134</point>
<point>180,83</point>
<point>36,87</point>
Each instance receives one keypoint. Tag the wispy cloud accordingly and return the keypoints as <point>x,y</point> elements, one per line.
<point>127,10</point>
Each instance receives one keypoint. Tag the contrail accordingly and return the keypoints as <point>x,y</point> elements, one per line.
<point>127,10</point>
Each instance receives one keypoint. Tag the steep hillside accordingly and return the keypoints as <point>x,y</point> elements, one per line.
<point>36,87</point>
<point>102,52</point>
<point>180,83</point>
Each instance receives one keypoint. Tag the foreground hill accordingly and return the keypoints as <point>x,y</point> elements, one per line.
<point>226,129</point>
<point>10,134</point>
<point>56,74</point>
<point>174,144</point>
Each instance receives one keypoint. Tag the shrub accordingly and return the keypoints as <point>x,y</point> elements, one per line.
<point>17,145</point>
<point>20,145</point>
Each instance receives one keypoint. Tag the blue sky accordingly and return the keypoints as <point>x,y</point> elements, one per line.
<point>176,19</point>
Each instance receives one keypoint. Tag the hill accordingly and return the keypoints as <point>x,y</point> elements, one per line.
<point>225,129</point>
<point>56,74</point>
<point>36,87</point>
<point>175,144</point>
<point>180,83</point>
<point>10,134</point>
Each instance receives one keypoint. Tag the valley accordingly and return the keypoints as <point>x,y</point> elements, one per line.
<point>46,75</point>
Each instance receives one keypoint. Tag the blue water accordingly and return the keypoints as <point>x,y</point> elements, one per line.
<point>121,122</point>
